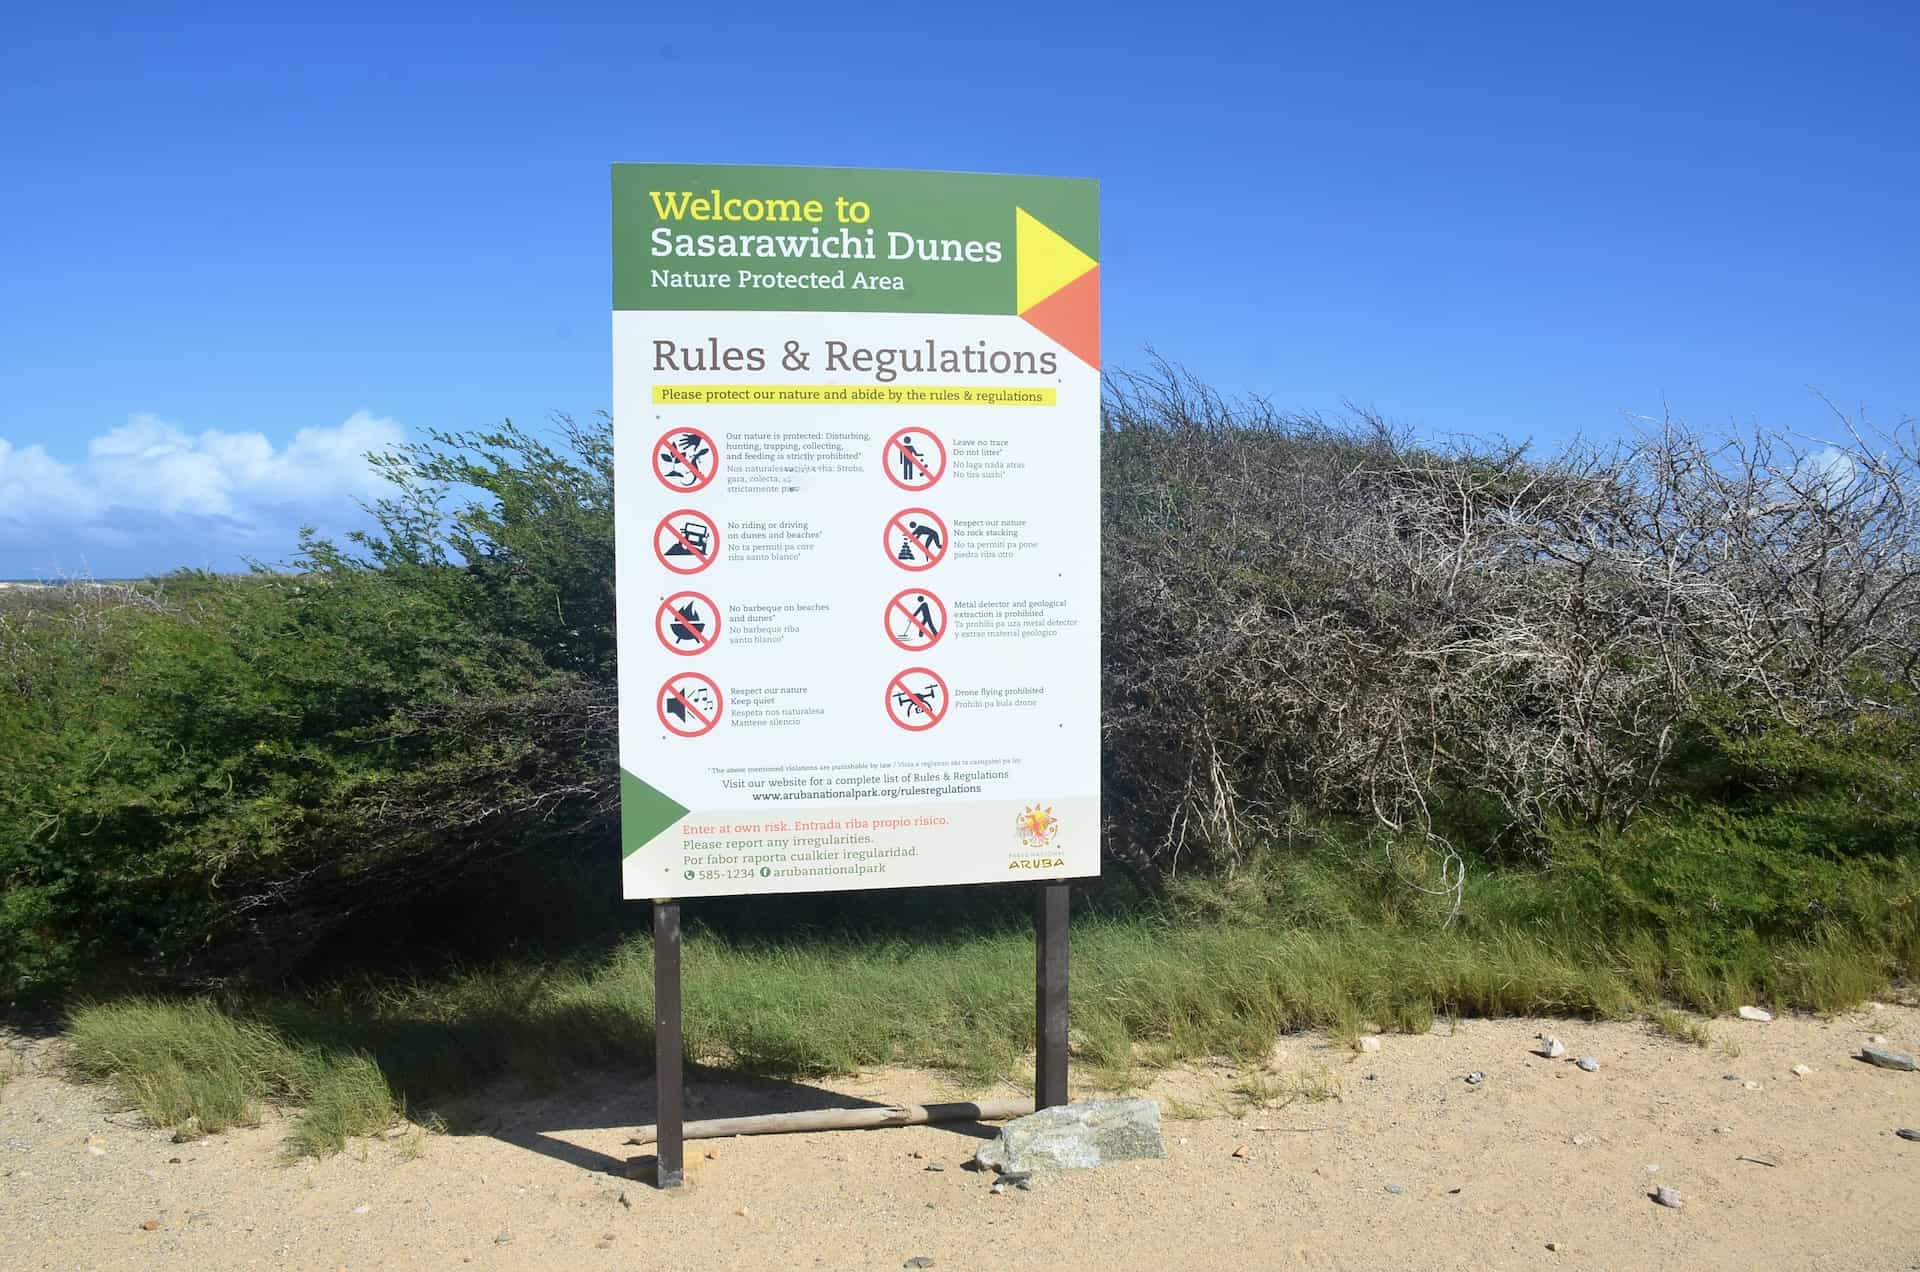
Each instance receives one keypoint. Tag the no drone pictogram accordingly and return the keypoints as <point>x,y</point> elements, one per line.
<point>917,699</point>
<point>685,459</point>
<point>688,623</point>
<point>916,619</point>
<point>915,539</point>
<point>689,705</point>
<point>914,458</point>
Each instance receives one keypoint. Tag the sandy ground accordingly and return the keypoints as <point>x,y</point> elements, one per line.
<point>1539,1153</point>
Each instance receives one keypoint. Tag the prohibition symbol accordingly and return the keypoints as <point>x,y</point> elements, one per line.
<point>914,459</point>
<point>685,459</point>
<point>915,539</point>
<point>917,699</point>
<point>689,705</point>
<point>916,619</point>
<point>686,541</point>
<point>688,623</point>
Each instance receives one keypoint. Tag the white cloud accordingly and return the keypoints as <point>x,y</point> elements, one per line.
<point>213,488</point>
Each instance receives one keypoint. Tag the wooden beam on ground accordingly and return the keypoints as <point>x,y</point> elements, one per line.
<point>844,1119</point>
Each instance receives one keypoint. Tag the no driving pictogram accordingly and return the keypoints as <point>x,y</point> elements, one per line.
<point>915,539</point>
<point>914,458</point>
<point>686,541</point>
<point>685,459</point>
<point>688,623</point>
<point>916,619</point>
<point>689,705</point>
<point>917,699</point>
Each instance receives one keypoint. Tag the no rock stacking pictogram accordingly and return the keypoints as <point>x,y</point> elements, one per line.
<point>914,459</point>
<point>685,459</point>
<point>916,619</point>
<point>686,541</point>
<point>917,699</point>
<point>689,705</point>
<point>915,539</point>
<point>688,623</point>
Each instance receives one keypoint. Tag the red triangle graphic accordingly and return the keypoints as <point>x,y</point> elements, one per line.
<point>1071,316</point>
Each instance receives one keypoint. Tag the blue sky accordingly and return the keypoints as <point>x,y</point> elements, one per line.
<point>237,248</point>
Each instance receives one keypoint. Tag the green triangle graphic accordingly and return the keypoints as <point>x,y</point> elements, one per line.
<point>644,813</point>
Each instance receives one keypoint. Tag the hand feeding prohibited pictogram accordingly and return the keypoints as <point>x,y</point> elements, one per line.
<point>689,705</point>
<point>686,541</point>
<point>685,459</point>
<point>688,623</point>
<point>915,539</point>
<point>916,619</point>
<point>917,699</point>
<point>914,459</point>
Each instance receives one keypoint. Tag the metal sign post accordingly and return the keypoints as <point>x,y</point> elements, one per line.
<point>668,1134</point>
<point>1050,996</point>
<point>669,1075</point>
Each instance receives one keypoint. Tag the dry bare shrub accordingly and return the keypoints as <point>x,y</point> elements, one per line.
<point>1303,612</point>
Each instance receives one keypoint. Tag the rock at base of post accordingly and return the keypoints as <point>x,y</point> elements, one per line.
<point>1069,1136</point>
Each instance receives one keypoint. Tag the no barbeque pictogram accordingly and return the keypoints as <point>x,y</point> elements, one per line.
<point>914,458</point>
<point>917,699</point>
<point>689,705</point>
<point>688,623</point>
<point>915,539</point>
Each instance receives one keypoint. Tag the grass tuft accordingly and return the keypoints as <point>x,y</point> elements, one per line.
<point>1149,989</point>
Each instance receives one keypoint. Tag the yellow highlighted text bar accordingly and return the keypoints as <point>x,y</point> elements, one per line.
<point>848,395</point>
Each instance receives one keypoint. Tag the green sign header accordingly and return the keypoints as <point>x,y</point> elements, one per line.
<point>727,237</point>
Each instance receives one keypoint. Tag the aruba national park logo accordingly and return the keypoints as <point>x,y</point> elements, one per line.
<point>1037,826</point>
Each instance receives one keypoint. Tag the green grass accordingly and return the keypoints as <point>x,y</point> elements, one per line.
<point>1221,969</point>
<point>203,1068</point>
<point>1679,1026</point>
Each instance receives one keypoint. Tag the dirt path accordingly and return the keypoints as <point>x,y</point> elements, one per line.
<point>1539,1152</point>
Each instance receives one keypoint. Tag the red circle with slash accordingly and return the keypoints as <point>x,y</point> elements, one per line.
<point>903,697</point>
<point>900,453</point>
<point>667,537</point>
<point>927,637</point>
<point>669,449</point>
<point>669,617</point>
<point>898,522</point>
<point>694,722</point>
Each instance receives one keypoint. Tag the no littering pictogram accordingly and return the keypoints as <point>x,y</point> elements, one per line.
<point>916,619</point>
<point>915,539</point>
<point>688,623</point>
<point>914,459</point>
<point>689,705</point>
<point>686,541</point>
<point>917,699</point>
<point>685,459</point>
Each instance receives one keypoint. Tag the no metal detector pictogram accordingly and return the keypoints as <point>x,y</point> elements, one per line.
<point>688,623</point>
<point>916,619</point>
<point>917,699</point>
<point>915,539</point>
<point>914,458</point>
<point>685,459</point>
<point>689,705</point>
<point>686,541</point>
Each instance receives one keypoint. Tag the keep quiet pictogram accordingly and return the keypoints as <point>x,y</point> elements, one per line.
<point>916,619</point>
<point>915,539</point>
<point>689,705</point>
<point>685,459</point>
<point>686,541</point>
<point>914,458</point>
<point>917,699</point>
<point>688,623</point>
